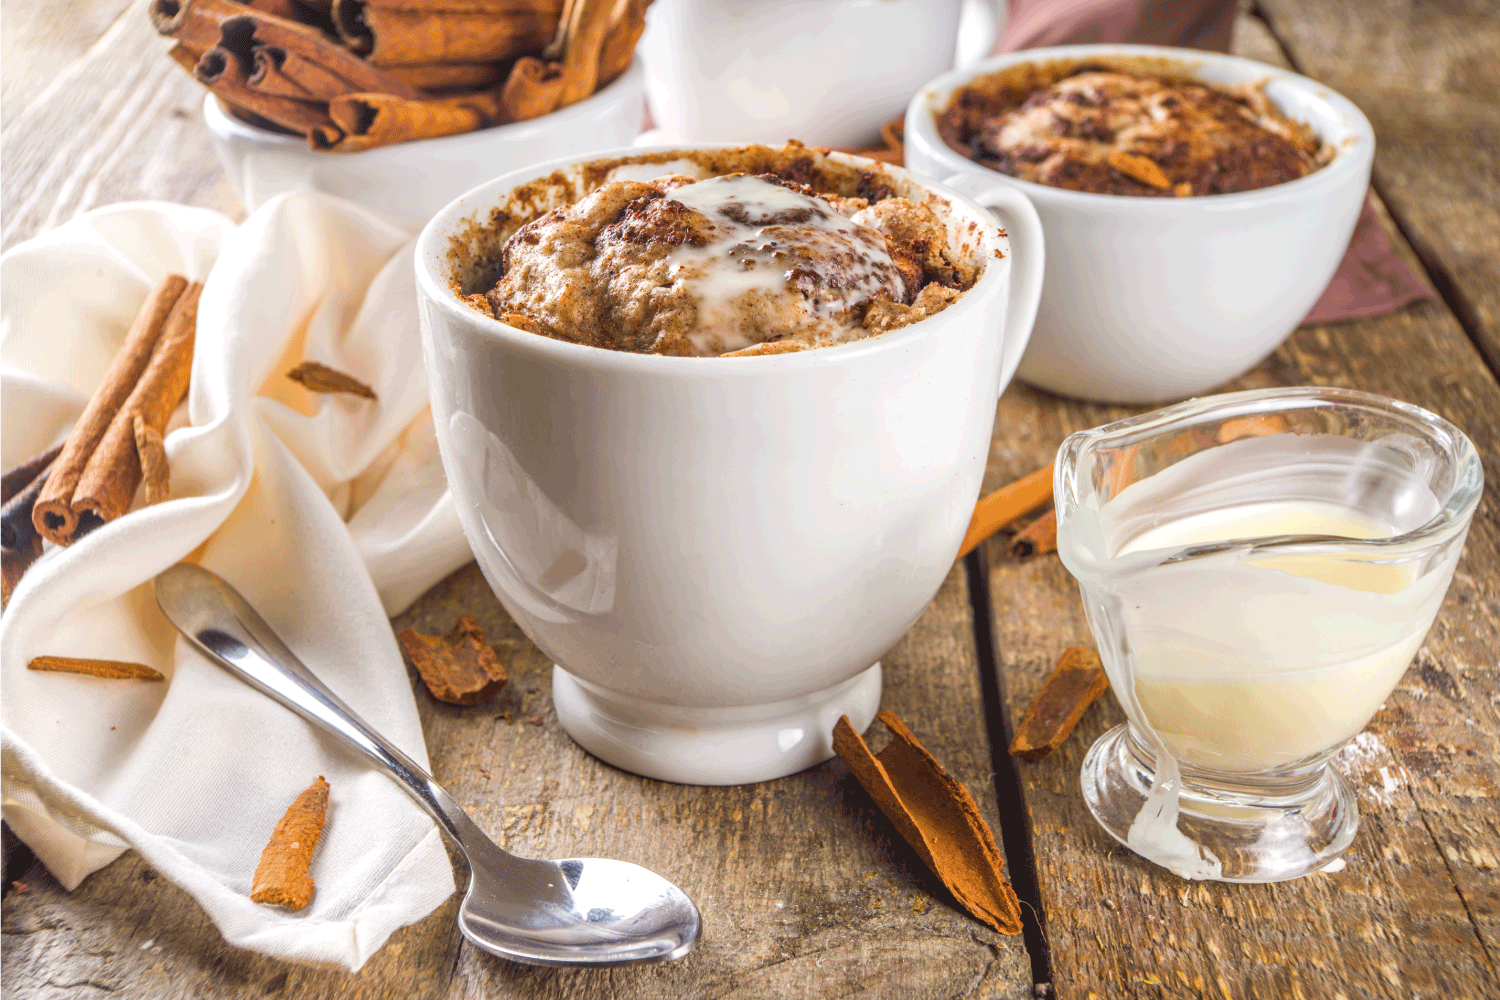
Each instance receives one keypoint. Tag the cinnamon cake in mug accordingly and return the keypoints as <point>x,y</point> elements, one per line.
<point>762,256</point>
<point>1129,130</point>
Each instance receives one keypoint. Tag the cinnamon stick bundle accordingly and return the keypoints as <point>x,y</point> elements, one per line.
<point>1075,683</point>
<point>109,481</point>
<point>369,120</point>
<point>53,513</point>
<point>937,816</point>
<point>1006,505</point>
<point>391,36</point>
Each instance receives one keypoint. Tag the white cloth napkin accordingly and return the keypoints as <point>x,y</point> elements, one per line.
<point>327,512</point>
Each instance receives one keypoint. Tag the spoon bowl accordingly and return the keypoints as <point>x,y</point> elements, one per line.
<point>573,912</point>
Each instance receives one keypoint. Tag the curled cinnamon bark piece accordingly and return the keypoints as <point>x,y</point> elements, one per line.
<point>316,377</point>
<point>588,23</point>
<point>627,22</point>
<point>1074,684</point>
<point>156,475</point>
<point>111,669</point>
<point>53,514</point>
<point>937,816</point>
<point>283,877</point>
<point>533,89</point>
<point>461,668</point>
<point>1037,538</point>
<point>109,481</point>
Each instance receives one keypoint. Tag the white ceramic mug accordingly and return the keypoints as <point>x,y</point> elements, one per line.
<point>716,552</point>
<point>1149,299</point>
<point>827,72</point>
<point>407,182</point>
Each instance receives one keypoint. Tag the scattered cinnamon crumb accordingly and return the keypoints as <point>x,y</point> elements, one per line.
<point>504,716</point>
<point>1075,683</point>
<point>1183,190</point>
<point>21,888</point>
<point>317,377</point>
<point>113,669</point>
<point>532,690</point>
<point>937,816</point>
<point>535,720</point>
<point>282,878</point>
<point>460,668</point>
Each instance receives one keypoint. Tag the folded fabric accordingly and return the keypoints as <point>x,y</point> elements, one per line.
<point>1371,279</point>
<point>327,512</point>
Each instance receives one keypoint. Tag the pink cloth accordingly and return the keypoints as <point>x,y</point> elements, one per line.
<point>1371,279</point>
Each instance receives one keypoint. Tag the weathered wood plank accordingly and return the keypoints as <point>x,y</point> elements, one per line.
<point>1427,76</point>
<point>121,123</point>
<point>805,890</point>
<point>1414,914</point>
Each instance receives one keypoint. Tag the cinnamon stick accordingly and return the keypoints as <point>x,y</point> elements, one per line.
<point>20,545</point>
<point>460,668</point>
<point>1074,684</point>
<point>626,24</point>
<point>1006,505</point>
<point>1037,538</point>
<point>193,23</point>
<point>370,120</point>
<point>533,89</point>
<point>109,481</point>
<point>119,670</point>
<point>53,514</point>
<point>587,25</point>
<point>19,477</point>
<point>450,76</point>
<point>937,816</point>
<point>222,73</point>
<point>316,377</point>
<point>389,36</point>
<point>283,876</point>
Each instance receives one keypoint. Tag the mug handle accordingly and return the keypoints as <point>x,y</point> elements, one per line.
<point>1023,227</point>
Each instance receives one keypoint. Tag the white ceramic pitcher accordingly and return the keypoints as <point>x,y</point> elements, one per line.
<point>827,72</point>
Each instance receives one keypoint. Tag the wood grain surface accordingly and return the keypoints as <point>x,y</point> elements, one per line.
<point>1427,76</point>
<point>805,889</point>
<point>1415,912</point>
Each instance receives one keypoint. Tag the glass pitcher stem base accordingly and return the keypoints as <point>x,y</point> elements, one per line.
<point>1230,828</point>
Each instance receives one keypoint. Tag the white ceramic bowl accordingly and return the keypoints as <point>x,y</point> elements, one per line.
<point>1149,299</point>
<point>408,182</point>
<point>716,552</point>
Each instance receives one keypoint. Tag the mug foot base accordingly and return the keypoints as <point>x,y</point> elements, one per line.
<point>1228,828</point>
<point>712,746</point>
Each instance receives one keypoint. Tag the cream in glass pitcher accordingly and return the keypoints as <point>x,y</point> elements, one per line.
<point>1258,569</point>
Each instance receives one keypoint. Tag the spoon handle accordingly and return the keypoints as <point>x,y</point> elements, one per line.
<point>225,628</point>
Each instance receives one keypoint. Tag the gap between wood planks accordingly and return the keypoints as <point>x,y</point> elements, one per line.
<point>1010,800</point>
<point>1437,274</point>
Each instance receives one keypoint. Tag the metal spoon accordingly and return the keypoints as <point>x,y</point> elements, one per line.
<point>579,911</point>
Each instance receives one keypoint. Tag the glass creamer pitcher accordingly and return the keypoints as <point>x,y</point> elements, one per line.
<point>1258,569</point>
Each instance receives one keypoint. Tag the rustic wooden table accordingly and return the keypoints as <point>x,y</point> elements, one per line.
<point>804,889</point>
